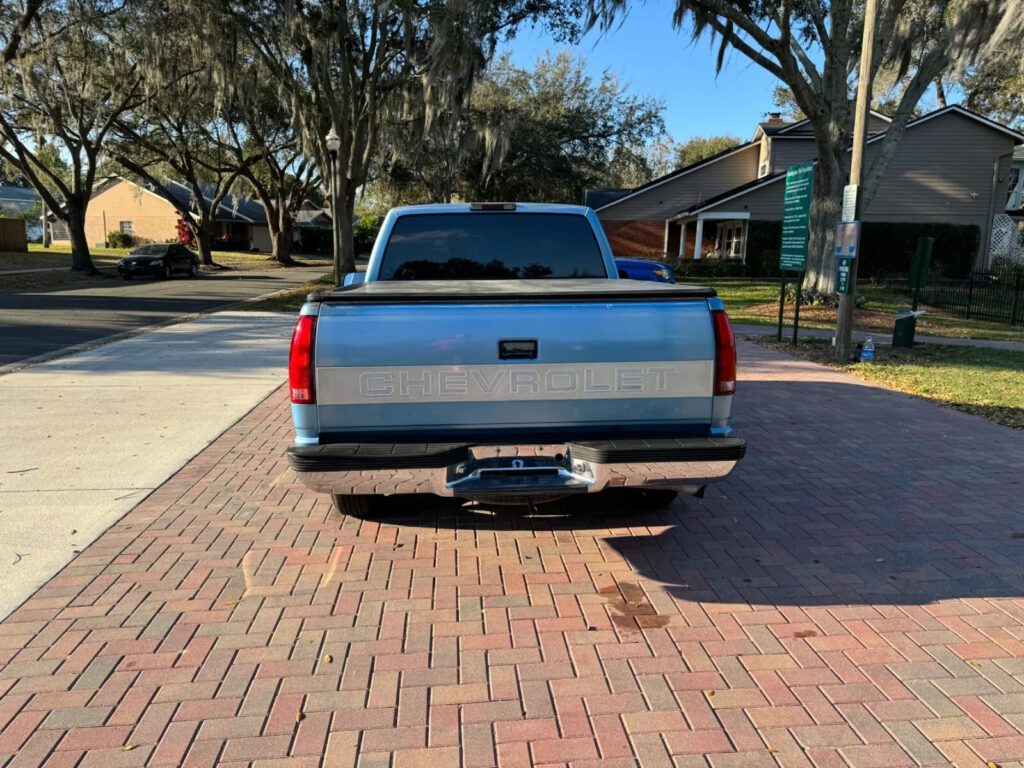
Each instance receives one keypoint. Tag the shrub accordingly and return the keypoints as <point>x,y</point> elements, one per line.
<point>185,234</point>
<point>315,241</point>
<point>885,246</point>
<point>365,233</point>
<point>810,298</point>
<point>709,268</point>
<point>119,240</point>
<point>1006,268</point>
<point>230,243</point>
<point>764,239</point>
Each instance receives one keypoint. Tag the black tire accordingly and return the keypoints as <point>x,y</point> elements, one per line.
<point>193,270</point>
<point>652,498</point>
<point>353,506</point>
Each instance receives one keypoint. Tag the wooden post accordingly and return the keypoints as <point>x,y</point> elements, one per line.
<point>847,301</point>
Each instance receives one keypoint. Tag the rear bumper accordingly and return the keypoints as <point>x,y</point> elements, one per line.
<point>684,464</point>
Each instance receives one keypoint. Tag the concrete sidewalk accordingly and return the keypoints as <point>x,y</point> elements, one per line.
<point>744,329</point>
<point>84,438</point>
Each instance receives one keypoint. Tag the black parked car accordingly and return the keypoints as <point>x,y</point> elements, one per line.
<point>159,260</point>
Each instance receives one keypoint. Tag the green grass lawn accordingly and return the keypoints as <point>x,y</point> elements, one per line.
<point>756,302</point>
<point>979,380</point>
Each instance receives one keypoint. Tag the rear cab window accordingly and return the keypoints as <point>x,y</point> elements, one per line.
<point>491,246</point>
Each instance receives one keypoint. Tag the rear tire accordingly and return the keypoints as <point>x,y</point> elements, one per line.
<point>652,498</point>
<point>353,506</point>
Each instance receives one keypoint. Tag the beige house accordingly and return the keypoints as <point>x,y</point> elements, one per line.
<point>121,205</point>
<point>952,167</point>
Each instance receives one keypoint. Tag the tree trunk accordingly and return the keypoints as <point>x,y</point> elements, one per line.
<point>940,92</point>
<point>202,233</point>
<point>81,260</point>
<point>281,244</point>
<point>826,207</point>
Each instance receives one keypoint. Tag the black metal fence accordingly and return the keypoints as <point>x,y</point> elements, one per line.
<point>995,297</point>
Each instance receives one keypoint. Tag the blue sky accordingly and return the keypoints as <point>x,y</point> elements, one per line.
<point>657,60</point>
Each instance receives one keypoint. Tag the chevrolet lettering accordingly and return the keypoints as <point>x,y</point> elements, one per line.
<point>491,352</point>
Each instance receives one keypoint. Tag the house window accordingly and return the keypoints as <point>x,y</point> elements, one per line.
<point>731,243</point>
<point>128,228</point>
<point>762,170</point>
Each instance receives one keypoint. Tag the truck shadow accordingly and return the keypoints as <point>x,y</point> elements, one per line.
<point>849,494</point>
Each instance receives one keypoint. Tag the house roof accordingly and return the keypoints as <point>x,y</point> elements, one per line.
<point>776,129</point>
<point>313,218</point>
<point>18,194</point>
<point>742,189</point>
<point>680,172</point>
<point>770,129</point>
<point>232,207</point>
<point>598,198</point>
<point>758,183</point>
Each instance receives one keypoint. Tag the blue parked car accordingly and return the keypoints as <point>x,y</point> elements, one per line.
<point>642,269</point>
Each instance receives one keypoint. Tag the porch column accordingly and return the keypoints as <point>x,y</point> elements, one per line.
<point>697,240</point>
<point>682,239</point>
<point>664,248</point>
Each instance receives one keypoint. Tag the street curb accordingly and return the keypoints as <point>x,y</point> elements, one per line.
<point>31,362</point>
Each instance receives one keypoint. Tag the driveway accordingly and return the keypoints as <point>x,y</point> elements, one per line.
<point>852,596</point>
<point>35,322</point>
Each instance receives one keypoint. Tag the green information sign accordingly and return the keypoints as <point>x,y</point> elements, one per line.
<point>796,215</point>
<point>843,276</point>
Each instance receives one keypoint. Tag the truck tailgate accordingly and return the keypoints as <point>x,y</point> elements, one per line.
<point>489,364</point>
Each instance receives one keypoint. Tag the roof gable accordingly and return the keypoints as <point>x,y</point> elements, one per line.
<point>680,172</point>
<point>954,109</point>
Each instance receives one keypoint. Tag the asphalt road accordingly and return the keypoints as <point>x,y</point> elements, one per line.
<point>34,322</point>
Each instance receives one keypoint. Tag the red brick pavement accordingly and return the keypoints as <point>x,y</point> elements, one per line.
<point>851,597</point>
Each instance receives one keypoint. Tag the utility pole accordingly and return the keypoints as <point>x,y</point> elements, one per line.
<point>847,301</point>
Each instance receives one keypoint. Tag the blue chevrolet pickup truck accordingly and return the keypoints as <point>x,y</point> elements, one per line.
<point>492,353</point>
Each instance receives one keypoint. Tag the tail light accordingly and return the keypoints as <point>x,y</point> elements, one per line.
<point>725,354</point>
<point>300,361</point>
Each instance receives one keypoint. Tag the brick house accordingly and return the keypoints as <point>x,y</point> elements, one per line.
<point>951,167</point>
<point>121,205</point>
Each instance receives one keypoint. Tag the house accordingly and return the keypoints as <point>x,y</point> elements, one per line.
<point>122,205</point>
<point>951,167</point>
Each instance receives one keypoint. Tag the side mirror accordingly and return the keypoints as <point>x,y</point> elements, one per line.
<point>354,278</point>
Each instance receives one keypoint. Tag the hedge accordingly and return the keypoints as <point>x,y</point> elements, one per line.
<point>885,246</point>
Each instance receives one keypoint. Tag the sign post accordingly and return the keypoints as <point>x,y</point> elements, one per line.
<point>796,217</point>
<point>847,241</point>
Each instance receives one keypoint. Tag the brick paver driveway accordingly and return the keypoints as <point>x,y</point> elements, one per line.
<point>852,596</point>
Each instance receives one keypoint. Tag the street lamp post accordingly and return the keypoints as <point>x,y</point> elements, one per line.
<point>333,141</point>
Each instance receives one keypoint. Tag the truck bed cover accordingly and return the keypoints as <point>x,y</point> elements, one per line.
<point>510,292</point>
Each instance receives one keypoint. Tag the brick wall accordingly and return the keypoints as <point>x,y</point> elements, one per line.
<point>635,238</point>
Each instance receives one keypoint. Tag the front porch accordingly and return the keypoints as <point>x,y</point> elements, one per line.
<point>708,235</point>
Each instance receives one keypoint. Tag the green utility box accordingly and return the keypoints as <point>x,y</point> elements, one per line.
<point>903,331</point>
